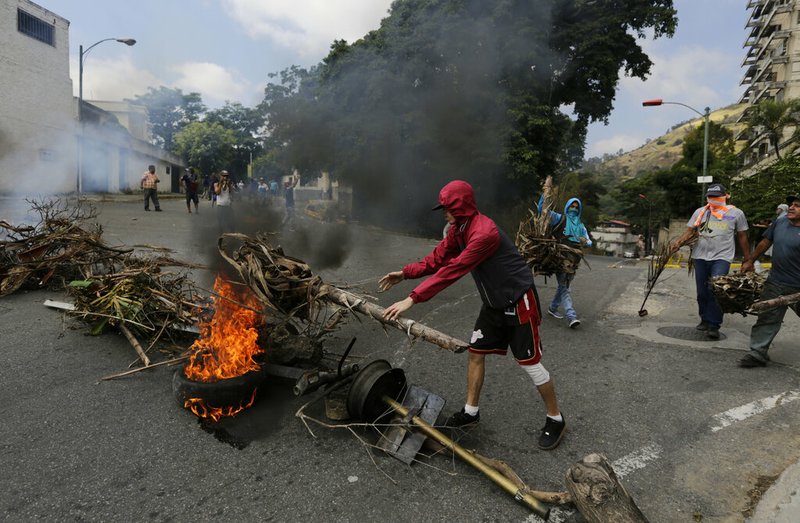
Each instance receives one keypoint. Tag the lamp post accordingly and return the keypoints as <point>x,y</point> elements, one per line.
<point>649,212</point>
<point>706,116</point>
<point>81,59</point>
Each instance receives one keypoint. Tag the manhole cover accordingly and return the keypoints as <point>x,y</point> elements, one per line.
<point>686,333</point>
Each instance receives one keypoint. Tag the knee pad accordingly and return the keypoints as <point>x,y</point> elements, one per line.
<point>538,373</point>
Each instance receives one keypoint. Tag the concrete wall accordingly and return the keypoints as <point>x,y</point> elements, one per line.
<point>37,113</point>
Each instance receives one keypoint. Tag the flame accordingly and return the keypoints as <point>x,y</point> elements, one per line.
<point>201,409</point>
<point>227,343</point>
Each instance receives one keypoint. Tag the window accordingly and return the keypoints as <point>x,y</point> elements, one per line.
<point>36,28</point>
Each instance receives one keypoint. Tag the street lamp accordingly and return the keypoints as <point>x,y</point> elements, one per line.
<point>82,58</point>
<point>649,212</point>
<point>706,116</point>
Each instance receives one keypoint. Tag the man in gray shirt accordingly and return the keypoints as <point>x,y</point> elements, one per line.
<point>784,278</point>
<point>717,224</point>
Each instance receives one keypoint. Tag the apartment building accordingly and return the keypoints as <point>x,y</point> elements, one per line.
<point>772,59</point>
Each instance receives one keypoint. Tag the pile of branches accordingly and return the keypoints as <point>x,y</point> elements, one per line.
<point>294,295</point>
<point>538,244</point>
<point>736,293</point>
<point>61,247</point>
<point>110,286</point>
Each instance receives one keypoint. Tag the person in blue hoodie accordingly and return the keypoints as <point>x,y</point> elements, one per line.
<point>569,230</point>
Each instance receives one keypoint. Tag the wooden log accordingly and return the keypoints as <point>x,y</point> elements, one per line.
<point>412,328</point>
<point>780,301</point>
<point>598,493</point>
<point>135,344</point>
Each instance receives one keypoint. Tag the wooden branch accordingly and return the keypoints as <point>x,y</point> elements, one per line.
<point>780,301</point>
<point>410,327</point>
<point>598,493</point>
<point>135,344</point>
<point>558,498</point>
<point>134,371</point>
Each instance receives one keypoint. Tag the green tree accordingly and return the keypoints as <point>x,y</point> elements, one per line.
<point>772,118</point>
<point>209,147</point>
<point>246,124</point>
<point>169,111</point>
<point>758,195</point>
<point>460,89</point>
<point>680,181</point>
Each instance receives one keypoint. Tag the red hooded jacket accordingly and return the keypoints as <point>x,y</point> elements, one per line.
<point>473,244</point>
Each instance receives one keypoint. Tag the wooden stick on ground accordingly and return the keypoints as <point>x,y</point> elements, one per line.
<point>152,366</point>
<point>598,493</point>
<point>412,328</point>
<point>780,301</point>
<point>135,344</point>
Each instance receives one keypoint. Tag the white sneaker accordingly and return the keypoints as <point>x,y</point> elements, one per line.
<point>554,314</point>
<point>574,323</point>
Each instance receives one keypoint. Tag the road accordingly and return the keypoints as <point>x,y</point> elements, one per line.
<point>691,435</point>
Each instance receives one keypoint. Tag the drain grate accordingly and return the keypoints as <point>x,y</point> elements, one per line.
<point>686,333</point>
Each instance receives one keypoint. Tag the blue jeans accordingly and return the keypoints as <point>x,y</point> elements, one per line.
<point>707,304</point>
<point>563,296</point>
<point>769,322</point>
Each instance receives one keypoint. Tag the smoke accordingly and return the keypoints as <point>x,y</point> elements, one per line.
<point>428,104</point>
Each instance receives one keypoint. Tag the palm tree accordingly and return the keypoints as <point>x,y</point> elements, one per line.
<point>772,117</point>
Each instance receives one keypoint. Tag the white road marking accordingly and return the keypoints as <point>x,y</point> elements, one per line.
<point>729,417</point>
<point>637,459</point>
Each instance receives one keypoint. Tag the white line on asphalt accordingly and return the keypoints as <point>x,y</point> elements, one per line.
<point>729,417</point>
<point>637,459</point>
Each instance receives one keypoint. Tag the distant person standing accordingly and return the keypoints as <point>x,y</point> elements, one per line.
<point>149,185</point>
<point>288,195</point>
<point>719,227</point>
<point>223,190</point>
<point>190,184</point>
<point>273,187</point>
<point>212,194</point>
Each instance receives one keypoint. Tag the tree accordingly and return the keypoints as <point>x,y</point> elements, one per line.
<point>210,147</point>
<point>169,111</point>
<point>772,118</point>
<point>460,89</point>
<point>247,126</point>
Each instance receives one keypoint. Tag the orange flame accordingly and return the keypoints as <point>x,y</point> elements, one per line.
<point>201,409</point>
<point>228,343</point>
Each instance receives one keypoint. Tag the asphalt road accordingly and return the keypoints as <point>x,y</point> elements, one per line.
<point>692,436</point>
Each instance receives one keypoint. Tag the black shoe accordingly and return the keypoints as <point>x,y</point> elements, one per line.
<point>552,432</point>
<point>574,323</point>
<point>712,333</point>
<point>158,210</point>
<point>749,361</point>
<point>146,209</point>
<point>462,419</point>
<point>702,326</point>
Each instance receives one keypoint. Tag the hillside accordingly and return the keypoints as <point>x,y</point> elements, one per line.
<point>662,152</point>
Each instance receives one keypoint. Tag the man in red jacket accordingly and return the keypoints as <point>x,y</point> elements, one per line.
<point>510,314</point>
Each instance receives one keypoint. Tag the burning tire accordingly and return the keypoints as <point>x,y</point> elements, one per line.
<point>223,394</point>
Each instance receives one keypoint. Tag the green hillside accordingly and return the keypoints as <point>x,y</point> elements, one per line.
<point>665,150</point>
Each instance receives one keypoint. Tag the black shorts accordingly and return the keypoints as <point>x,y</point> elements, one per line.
<point>516,327</point>
<point>192,197</point>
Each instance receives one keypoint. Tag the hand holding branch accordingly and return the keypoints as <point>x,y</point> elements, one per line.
<point>394,311</point>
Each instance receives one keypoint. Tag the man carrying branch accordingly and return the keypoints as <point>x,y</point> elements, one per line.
<point>510,314</point>
<point>716,224</point>
<point>783,235</point>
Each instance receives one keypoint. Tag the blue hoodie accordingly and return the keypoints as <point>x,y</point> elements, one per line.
<point>573,228</point>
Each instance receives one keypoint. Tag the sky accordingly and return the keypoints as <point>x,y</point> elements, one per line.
<point>226,50</point>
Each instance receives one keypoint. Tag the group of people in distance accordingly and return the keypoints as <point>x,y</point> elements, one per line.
<point>510,313</point>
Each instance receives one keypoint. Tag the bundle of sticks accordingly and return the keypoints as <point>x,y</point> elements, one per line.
<point>288,288</point>
<point>538,244</point>
<point>736,293</point>
<point>658,263</point>
<point>61,247</point>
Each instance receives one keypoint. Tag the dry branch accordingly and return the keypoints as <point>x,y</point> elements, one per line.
<point>287,287</point>
<point>737,292</point>
<point>780,301</point>
<point>598,493</point>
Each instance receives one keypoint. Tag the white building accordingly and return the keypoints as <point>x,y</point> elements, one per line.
<point>42,140</point>
<point>38,121</point>
<point>614,237</point>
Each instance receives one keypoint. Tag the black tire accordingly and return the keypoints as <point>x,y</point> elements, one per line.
<point>230,392</point>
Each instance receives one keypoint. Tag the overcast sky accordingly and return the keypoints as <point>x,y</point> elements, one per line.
<point>225,49</point>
